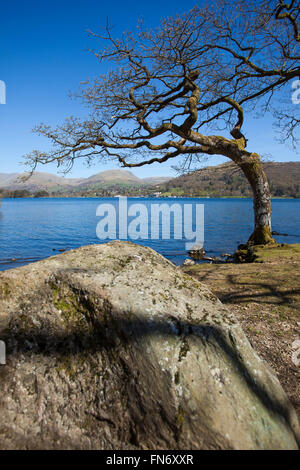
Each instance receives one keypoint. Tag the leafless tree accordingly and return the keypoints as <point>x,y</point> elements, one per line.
<point>170,88</point>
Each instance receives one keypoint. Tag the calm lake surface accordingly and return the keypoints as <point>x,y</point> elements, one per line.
<point>33,229</point>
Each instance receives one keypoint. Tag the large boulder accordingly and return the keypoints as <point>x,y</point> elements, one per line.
<point>113,347</point>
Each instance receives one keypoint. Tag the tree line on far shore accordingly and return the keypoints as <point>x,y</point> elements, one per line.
<point>22,193</point>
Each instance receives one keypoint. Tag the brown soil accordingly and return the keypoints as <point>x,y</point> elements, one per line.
<point>265,296</point>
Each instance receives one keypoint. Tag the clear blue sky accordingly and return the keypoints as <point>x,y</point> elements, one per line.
<point>44,56</point>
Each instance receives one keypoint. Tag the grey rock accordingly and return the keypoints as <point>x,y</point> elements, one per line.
<point>188,262</point>
<point>112,347</point>
<point>197,252</point>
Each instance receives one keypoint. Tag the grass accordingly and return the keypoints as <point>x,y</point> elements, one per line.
<point>265,297</point>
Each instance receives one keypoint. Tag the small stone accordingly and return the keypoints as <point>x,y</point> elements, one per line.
<point>188,262</point>
<point>197,252</point>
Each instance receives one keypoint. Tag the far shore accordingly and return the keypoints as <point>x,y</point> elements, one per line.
<point>145,197</point>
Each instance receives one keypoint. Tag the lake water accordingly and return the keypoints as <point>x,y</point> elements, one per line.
<point>33,229</point>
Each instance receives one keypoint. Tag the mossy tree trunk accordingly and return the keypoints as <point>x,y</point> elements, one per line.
<point>250,164</point>
<point>254,172</point>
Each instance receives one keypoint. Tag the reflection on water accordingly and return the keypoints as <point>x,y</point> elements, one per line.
<point>33,229</point>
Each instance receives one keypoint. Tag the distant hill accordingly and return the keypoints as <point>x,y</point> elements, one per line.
<point>7,178</point>
<point>228,180</point>
<point>225,180</point>
<point>122,176</point>
<point>40,181</point>
<point>156,179</point>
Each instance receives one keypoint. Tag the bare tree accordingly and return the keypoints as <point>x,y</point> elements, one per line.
<point>170,87</point>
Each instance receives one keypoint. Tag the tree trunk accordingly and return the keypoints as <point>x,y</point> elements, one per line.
<point>250,164</point>
<point>254,172</point>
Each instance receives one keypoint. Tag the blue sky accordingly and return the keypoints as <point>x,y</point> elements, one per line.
<point>43,56</point>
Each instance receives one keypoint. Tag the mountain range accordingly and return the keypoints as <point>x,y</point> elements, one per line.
<point>53,183</point>
<point>225,180</point>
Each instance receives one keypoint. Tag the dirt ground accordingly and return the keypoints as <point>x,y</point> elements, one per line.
<point>265,296</point>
